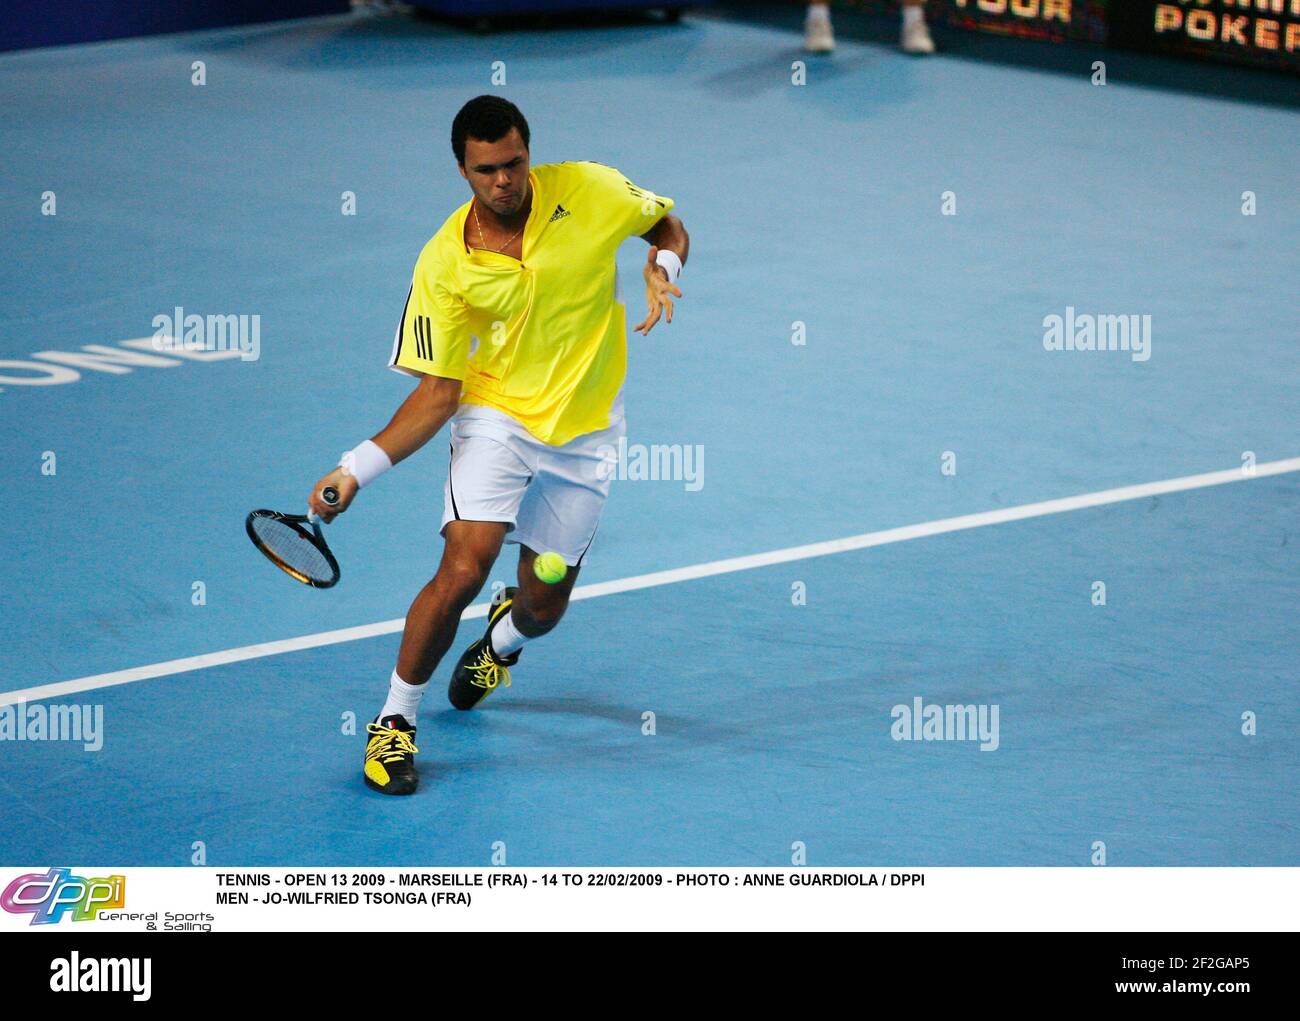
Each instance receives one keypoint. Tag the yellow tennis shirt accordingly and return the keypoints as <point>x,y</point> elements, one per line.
<point>542,338</point>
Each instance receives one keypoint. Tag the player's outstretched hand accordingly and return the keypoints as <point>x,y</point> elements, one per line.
<point>346,485</point>
<point>659,294</point>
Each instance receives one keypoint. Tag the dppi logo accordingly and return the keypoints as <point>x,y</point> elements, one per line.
<point>48,897</point>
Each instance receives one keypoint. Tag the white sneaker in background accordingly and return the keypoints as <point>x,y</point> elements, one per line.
<point>818,37</point>
<point>916,37</point>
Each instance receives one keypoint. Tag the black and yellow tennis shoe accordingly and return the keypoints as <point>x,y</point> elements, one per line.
<point>480,671</point>
<point>390,756</point>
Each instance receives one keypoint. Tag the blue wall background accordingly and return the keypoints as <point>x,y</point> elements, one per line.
<point>53,22</point>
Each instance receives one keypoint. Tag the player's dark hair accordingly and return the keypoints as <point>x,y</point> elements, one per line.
<point>486,119</point>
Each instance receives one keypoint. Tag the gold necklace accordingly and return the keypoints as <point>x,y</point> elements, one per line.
<point>483,240</point>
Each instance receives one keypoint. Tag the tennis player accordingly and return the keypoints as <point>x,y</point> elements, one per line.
<point>517,334</point>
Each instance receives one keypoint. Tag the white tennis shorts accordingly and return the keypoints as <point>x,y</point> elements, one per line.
<point>551,497</point>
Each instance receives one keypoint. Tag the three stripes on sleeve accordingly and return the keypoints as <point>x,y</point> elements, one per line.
<point>422,327</point>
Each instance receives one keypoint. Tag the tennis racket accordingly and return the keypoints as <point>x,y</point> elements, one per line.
<point>298,551</point>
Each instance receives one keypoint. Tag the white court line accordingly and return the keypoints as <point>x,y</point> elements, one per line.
<point>605,588</point>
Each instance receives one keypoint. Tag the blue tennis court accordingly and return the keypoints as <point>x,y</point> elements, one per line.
<point>848,358</point>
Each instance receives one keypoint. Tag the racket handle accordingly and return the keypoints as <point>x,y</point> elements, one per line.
<point>329,496</point>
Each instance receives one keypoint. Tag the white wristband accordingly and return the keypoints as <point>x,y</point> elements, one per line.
<point>366,462</point>
<point>671,263</point>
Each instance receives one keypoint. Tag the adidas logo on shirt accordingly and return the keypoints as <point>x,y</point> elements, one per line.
<point>559,214</point>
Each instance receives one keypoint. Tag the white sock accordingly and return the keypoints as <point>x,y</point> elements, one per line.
<point>403,699</point>
<point>912,15</point>
<point>819,12</point>
<point>506,638</point>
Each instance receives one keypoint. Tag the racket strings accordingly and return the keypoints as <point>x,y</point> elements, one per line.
<point>293,548</point>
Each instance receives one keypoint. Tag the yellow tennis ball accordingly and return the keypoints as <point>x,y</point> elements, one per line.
<point>550,567</point>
